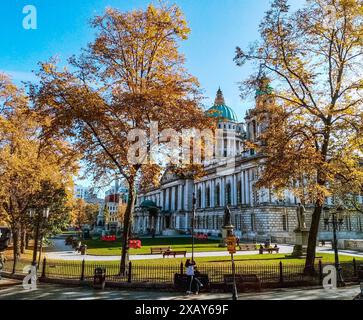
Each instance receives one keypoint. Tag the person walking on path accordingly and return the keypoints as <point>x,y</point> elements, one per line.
<point>238,243</point>
<point>190,274</point>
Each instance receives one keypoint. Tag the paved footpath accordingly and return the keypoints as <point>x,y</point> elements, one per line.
<point>61,252</point>
<point>58,292</point>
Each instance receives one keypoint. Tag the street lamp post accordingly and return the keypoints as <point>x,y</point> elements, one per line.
<point>335,218</point>
<point>40,217</point>
<point>231,246</point>
<point>193,222</point>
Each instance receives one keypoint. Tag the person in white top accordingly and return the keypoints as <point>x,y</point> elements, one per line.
<point>190,272</point>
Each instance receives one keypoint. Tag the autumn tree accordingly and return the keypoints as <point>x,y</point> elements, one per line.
<point>314,57</point>
<point>83,213</point>
<point>27,161</point>
<point>128,78</point>
<point>79,213</point>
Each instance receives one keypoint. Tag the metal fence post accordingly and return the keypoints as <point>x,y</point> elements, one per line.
<point>129,275</point>
<point>355,267</point>
<point>82,270</point>
<point>281,273</point>
<point>320,273</point>
<point>44,266</point>
<point>181,268</point>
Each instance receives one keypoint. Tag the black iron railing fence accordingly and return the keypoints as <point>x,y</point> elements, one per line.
<point>276,274</point>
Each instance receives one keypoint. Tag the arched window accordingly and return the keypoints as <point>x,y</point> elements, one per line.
<point>228,194</point>
<point>207,197</point>
<point>218,196</point>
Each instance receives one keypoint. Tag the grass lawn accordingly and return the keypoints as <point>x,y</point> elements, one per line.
<point>101,248</point>
<point>266,259</point>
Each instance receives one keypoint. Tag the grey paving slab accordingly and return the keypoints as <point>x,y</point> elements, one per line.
<point>57,292</point>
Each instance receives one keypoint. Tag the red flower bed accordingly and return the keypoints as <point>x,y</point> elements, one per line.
<point>135,244</point>
<point>108,238</point>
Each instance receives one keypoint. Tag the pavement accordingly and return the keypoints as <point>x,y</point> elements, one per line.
<point>59,251</point>
<point>5,283</point>
<point>59,292</point>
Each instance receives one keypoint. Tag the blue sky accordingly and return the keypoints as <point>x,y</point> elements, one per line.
<point>218,26</point>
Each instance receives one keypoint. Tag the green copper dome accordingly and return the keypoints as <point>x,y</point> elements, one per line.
<point>220,110</point>
<point>264,87</point>
<point>268,90</point>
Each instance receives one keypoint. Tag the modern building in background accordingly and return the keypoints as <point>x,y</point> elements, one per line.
<point>110,218</point>
<point>81,192</point>
<point>257,214</point>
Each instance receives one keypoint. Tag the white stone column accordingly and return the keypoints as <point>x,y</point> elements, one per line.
<point>172,206</point>
<point>212,190</point>
<point>203,194</point>
<point>167,202</point>
<point>247,189</point>
<point>157,226</point>
<point>223,191</point>
<point>250,185</point>
<point>243,200</point>
<point>161,204</point>
<point>179,197</point>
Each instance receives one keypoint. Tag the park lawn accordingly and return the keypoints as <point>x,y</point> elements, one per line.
<point>165,268</point>
<point>101,248</point>
<point>258,259</point>
<point>154,268</point>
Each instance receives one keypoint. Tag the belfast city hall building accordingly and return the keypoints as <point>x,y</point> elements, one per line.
<point>256,213</point>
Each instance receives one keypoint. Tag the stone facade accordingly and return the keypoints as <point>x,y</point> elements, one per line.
<point>256,213</point>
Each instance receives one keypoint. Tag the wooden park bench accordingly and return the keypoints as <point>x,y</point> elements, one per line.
<point>174,253</point>
<point>248,247</point>
<point>269,250</point>
<point>159,250</point>
<point>243,281</point>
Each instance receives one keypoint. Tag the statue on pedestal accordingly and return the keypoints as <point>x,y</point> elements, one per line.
<point>227,221</point>
<point>227,228</point>
<point>301,233</point>
<point>300,211</point>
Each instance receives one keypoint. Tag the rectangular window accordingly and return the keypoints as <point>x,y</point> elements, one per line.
<point>348,224</point>
<point>169,200</point>
<point>253,222</point>
<point>176,199</point>
<point>239,194</point>
<point>284,222</point>
<point>182,198</point>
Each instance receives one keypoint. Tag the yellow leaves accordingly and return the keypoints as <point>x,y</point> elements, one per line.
<point>28,159</point>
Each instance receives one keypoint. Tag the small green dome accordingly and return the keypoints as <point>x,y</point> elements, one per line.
<point>268,90</point>
<point>148,204</point>
<point>221,110</point>
<point>264,87</point>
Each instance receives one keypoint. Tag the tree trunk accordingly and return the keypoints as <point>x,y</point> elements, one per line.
<point>22,238</point>
<point>26,240</point>
<point>15,232</point>
<point>313,235</point>
<point>126,230</point>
